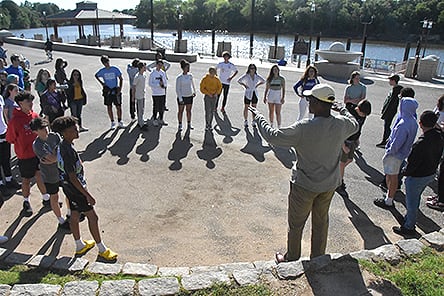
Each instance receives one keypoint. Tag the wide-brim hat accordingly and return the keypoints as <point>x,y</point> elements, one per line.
<point>323,92</point>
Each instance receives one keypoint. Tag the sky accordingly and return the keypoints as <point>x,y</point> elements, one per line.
<point>101,4</point>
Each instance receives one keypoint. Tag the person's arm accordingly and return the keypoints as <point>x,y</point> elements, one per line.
<point>76,183</point>
<point>260,79</point>
<point>364,92</point>
<point>219,87</point>
<point>415,158</point>
<point>267,88</point>
<point>193,86</point>
<point>11,134</point>
<point>296,88</point>
<point>102,83</point>
<point>241,81</point>
<point>203,86</point>
<point>120,83</point>
<point>133,87</point>
<point>179,89</point>
<point>166,65</point>
<point>233,75</point>
<point>283,91</point>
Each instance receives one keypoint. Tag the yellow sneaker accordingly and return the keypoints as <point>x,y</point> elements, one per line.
<point>108,255</point>
<point>89,244</point>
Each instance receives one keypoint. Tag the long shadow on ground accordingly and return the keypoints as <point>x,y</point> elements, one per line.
<point>224,128</point>
<point>179,150</point>
<point>254,145</point>
<point>209,150</point>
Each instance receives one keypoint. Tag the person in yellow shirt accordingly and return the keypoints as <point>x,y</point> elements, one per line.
<point>76,96</point>
<point>210,87</point>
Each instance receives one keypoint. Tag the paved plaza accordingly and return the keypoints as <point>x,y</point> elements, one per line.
<point>178,199</point>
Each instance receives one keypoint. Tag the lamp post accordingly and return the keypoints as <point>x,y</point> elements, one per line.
<point>277,18</point>
<point>313,10</point>
<point>426,25</point>
<point>364,37</point>
<point>152,20</point>
<point>252,27</point>
<point>114,25</point>
<point>98,28</point>
<point>179,27</point>
<point>46,24</point>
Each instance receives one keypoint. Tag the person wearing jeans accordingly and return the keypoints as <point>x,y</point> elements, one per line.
<point>421,167</point>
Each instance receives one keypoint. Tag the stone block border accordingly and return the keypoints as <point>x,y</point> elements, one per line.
<point>170,280</point>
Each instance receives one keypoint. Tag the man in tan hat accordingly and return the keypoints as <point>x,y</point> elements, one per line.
<point>315,174</point>
<point>227,71</point>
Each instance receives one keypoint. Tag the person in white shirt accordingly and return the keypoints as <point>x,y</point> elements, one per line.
<point>138,92</point>
<point>227,71</point>
<point>185,91</point>
<point>250,81</point>
<point>158,84</point>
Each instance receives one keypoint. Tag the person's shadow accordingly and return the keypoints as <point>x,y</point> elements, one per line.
<point>179,150</point>
<point>373,175</point>
<point>286,156</point>
<point>55,241</point>
<point>98,147</point>
<point>254,145</point>
<point>150,143</point>
<point>224,128</point>
<point>209,150</point>
<point>125,144</point>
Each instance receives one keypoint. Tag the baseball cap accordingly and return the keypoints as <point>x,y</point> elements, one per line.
<point>323,92</point>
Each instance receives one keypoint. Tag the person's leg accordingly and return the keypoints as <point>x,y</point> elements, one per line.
<point>414,186</point>
<point>140,111</point>
<point>93,225</point>
<point>119,112</point>
<point>26,187</point>
<point>271,112</point>
<point>110,112</point>
<point>55,207</point>
<point>74,224</point>
<point>319,229</point>
<point>278,108</point>
<point>154,108</point>
<point>132,103</point>
<point>73,108</point>
<point>180,113</point>
<point>5,160</point>
<point>303,105</point>
<point>387,130</point>
<point>188,108</point>
<point>162,100</point>
<point>300,203</point>
<point>79,113</point>
<point>212,102</point>
<point>39,182</point>
<point>392,185</point>
<point>246,111</point>
<point>208,111</point>
<point>225,88</point>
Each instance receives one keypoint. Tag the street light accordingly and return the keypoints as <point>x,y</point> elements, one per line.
<point>179,27</point>
<point>426,25</point>
<point>114,25</point>
<point>364,37</point>
<point>46,24</point>
<point>252,27</point>
<point>313,10</point>
<point>277,18</point>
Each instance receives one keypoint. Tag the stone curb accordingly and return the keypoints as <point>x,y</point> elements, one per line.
<point>170,280</point>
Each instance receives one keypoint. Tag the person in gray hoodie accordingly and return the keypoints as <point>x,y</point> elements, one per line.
<point>399,144</point>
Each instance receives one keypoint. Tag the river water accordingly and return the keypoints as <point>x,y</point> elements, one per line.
<point>240,42</point>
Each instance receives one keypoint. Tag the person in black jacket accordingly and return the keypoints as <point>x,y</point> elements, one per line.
<point>421,166</point>
<point>390,108</point>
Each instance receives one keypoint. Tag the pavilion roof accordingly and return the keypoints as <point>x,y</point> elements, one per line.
<point>82,15</point>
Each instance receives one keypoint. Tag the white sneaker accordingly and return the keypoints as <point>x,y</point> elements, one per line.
<point>113,125</point>
<point>253,124</point>
<point>3,239</point>
<point>155,122</point>
<point>121,124</point>
<point>180,127</point>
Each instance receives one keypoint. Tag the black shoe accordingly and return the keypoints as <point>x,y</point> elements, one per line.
<point>64,225</point>
<point>46,203</point>
<point>381,145</point>
<point>380,202</point>
<point>143,127</point>
<point>401,230</point>
<point>4,190</point>
<point>27,208</point>
<point>166,108</point>
<point>13,184</point>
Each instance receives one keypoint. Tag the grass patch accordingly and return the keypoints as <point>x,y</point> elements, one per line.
<point>421,274</point>
<point>224,290</point>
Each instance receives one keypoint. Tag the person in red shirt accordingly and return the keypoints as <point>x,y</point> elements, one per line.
<point>20,134</point>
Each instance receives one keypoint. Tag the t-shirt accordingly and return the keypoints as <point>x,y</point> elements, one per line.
<point>139,83</point>
<point>50,172</point>
<point>68,161</point>
<point>10,105</point>
<point>17,71</point>
<point>276,83</point>
<point>356,92</point>
<point>156,79</point>
<point>185,85</point>
<point>225,71</point>
<point>110,76</point>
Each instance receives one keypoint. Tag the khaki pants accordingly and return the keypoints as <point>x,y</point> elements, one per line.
<point>300,203</point>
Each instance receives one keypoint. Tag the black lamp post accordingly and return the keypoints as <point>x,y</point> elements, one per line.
<point>152,20</point>
<point>252,27</point>
<point>277,18</point>
<point>313,10</point>
<point>426,25</point>
<point>114,25</point>
<point>364,37</point>
<point>179,27</point>
<point>46,24</point>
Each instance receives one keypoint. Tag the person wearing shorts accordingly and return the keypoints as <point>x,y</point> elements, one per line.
<point>45,147</point>
<point>274,95</point>
<point>111,79</point>
<point>74,187</point>
<point>399,145</point>
<point>250,81</point>
<point>20,134</point>
<point>185,91</point>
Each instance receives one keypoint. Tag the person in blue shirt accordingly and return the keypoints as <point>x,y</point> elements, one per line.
<point>111,79</point>
<point>16,69</point>
<point>307,81</point>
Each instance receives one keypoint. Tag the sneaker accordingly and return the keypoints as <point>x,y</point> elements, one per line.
<point>179,127</point>
<point>401,230</point>
<point>166,108</point>
<point>222,110</point>
<point>13,184</point>
<point>46,203</point>
<point>432,197</point>
<point>3,239</point>
<point>64,225</point>
<point>163,122</point>
<point>380,202</point>
<point>83,129</point>
<point>89,244</point>
<point>155,122</point>
<point>190,127</point>
<point>253,124</point>
<point>436,205</point>
<point>121,125</point>
<point>4,190</point>
<point>27,207</point>
<point>246,123</point>
<point>108,255</point>
<point>113,125</point>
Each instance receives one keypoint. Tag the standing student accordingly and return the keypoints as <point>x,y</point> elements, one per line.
<point>165,66</point>
<point>9,101</point>
<point>390,108</point>
<point>250,81</point>
<point>210,87</point>
<point>399,144</point>
<point>308,80</point>
<point>52,101</point>
<point>274,95</point>
<point>60,73</point>
<point>45,147</point>
<point>111,80</point>
<point>138,90</point>
<point>227,71</point>
<point>421,167</point>
<point>75,189</point>
<point>16,69</point>
<point>132,70</point>
<point>158,83</point>
<point>19,133</point>
<point>185,91</point>
<point>76,96</point>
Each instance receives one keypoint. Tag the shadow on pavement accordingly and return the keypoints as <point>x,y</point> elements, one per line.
<point>125,144</point>
<point>55,241</point>
<point>372,235</point>
<point>224,128</point>
<point>179,150</point>
<point>150,143</point>
<point>373,175</point>
<point>254,145</point>
<point>286,156</point>
<point>98,147</point>
<point>209,150</point>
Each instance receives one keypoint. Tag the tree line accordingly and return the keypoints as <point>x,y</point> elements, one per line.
<point>390,19</point>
